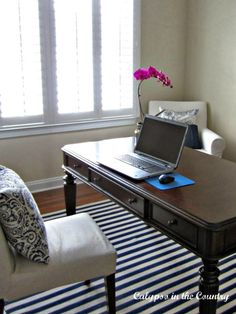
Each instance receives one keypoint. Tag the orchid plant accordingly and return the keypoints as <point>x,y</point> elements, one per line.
<point>145,74</point>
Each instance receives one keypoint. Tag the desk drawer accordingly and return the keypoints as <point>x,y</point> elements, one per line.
<point>113,189</point>
<point>78,166</point>
<point>174,224</point>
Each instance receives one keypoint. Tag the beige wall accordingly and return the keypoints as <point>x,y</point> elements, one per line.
<point>163,43</point>
<point>211,64</point>
<point>195,42</point>
<point>40,157</point>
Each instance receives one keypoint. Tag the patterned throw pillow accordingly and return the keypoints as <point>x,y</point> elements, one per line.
<point>8,178</point>
<point>189,116</point>
<point>20,218</point>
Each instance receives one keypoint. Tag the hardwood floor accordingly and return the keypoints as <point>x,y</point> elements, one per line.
<point>53,200</point>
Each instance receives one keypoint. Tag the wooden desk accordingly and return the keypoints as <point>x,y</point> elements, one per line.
<point>201,217</point>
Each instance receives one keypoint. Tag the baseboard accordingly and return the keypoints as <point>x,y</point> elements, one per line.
<point>45,184</point>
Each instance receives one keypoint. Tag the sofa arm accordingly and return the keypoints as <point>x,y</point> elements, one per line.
<point>212,143</point>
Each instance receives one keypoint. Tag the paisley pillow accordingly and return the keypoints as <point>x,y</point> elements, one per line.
<point>8,178</point>
<point>20,218</point>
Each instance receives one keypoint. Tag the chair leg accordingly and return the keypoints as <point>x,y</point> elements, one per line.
<point>1,306</point>
<point>111,293</point>
<point>87,282</point>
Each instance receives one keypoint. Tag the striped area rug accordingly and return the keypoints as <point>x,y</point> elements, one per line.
<point>154,274</point>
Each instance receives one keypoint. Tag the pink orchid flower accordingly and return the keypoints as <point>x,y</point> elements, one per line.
<point>141,74</point>
<point>164,79</point>
<point>153,72</point>
<point>145,74</point>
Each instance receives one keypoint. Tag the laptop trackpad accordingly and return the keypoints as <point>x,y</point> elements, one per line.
<point>125,169</point>
<point>156,169</point>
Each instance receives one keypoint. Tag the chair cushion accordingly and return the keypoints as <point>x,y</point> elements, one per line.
<point>79,250</point>
<point>188,116</point>
<point>20,218</point>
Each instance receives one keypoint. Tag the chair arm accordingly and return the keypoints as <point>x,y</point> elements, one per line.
<point>212,143</point>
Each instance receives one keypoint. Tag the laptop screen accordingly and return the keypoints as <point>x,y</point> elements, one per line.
<point>161,139</point>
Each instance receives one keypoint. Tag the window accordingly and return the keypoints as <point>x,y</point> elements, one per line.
<point>64,62</point>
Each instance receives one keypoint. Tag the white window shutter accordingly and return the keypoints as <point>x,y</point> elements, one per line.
<point>117,54</point>
<point>74,55</point>
<point>20,63</point>
<point>67,62</point>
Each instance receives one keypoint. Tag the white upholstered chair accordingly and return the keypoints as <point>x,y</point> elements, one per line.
<point>212,143</point>
<point>78,249</point>
<point>78,252</point>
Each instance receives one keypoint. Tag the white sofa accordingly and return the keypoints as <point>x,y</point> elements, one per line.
<point>212,143</point>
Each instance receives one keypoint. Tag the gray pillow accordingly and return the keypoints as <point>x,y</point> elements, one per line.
<point>188,116</point>
<point>20,218</point>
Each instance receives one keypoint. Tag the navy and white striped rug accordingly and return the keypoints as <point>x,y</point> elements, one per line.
<point>154,274</point>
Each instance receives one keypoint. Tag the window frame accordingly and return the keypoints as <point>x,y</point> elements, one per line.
<point>52,122</point>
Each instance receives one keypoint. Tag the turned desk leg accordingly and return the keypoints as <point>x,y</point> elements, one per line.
<point>70,194</point>
<point>209,286</point>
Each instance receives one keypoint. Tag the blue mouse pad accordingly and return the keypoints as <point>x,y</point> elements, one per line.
<point>179,181</point>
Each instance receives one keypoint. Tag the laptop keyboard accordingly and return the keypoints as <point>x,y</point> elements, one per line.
<point>136,162</point>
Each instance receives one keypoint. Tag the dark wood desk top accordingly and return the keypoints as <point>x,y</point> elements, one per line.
<point>211,201</point>
<point>201,217</point>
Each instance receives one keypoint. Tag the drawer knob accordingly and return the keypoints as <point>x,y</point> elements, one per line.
<point>77,166</point>
<point>132,200</point>
<point>96,179</point>
<point>172,222</point>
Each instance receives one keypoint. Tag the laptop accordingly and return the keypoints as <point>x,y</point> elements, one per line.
<point>158,150</point>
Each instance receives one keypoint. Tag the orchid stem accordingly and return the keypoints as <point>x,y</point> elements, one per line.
<point>139,102</point>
